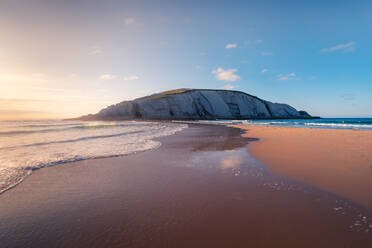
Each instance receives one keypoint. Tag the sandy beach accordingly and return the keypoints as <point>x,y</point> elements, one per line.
<point>201,188</point>
<point>185,124</point>
<point>339,161</point>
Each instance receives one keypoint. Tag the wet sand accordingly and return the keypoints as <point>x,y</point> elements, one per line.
<point>201,188</point>
<point>339,161</point>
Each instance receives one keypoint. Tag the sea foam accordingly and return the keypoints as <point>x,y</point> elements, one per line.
<point>29,145</point>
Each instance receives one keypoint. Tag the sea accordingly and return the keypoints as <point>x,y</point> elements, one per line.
<point>327,123</point>
<point>26,146</point>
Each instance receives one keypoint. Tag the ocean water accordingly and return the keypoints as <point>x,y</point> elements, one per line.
<point>331,123</point>
<point>29,145</point>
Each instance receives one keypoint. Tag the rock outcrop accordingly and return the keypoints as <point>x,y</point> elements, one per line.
<point>197,104</point>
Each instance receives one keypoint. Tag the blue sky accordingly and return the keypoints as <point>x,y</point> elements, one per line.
<point>67,58</point>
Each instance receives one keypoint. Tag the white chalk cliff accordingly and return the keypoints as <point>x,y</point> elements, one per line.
<point>197,104</point>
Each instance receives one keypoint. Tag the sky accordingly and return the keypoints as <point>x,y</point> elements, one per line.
<point>61,59</point>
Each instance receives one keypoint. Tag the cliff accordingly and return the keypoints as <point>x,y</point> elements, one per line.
<point>197,104</point>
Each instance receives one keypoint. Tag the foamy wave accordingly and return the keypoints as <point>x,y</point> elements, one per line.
<point>23,153</point>
<point>337,125</point>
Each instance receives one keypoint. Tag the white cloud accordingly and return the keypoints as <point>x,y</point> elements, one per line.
<point>264,70</point>
<point>226,75</point>
<point>131,78</point>
<point>266,53</point>
<point>232,45</point>
<point>290,76</point>
<point>108,76</point>
<point>348,47</point>
<point>282,77</point>
<point>128,21</point>
<point>229,87</point>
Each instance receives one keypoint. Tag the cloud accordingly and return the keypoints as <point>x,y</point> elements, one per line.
<point>108,76</point>
<point>266,53</point>
<point>19,112</point>
<point>131,78</point>
<point>258,41</point>
<point>348,47</point>
<point>264,70</point>
<point>229,87</point>
<point>24,79</point>
<point>20,100</point>
<point>128,21</point>
<point>290,76</point>
<point>232,45</point>
<point>226,75</point>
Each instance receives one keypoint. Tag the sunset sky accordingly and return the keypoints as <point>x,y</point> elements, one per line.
<point>63,59</point>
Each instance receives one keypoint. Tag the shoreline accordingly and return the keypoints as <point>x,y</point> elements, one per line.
<point>336,160</point>
<point>22,168</point>
<point>201,188</point>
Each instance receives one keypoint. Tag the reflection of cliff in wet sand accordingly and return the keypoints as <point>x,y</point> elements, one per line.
<point>195,104</point>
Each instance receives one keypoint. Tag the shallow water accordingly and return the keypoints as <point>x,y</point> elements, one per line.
<point>29,145</point>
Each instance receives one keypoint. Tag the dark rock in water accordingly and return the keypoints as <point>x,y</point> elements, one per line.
<point>197,104</point>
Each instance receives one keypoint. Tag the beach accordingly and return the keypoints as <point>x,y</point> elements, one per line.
<point>185,124</point>
<point>201,188</point>
<point>339,161</point>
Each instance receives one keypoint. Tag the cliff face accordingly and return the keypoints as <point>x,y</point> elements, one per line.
<point>193,104</point>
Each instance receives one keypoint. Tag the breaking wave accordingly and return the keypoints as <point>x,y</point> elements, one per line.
<point>29,145</point>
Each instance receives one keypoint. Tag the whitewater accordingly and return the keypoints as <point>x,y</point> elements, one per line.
<point>29,145</point>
